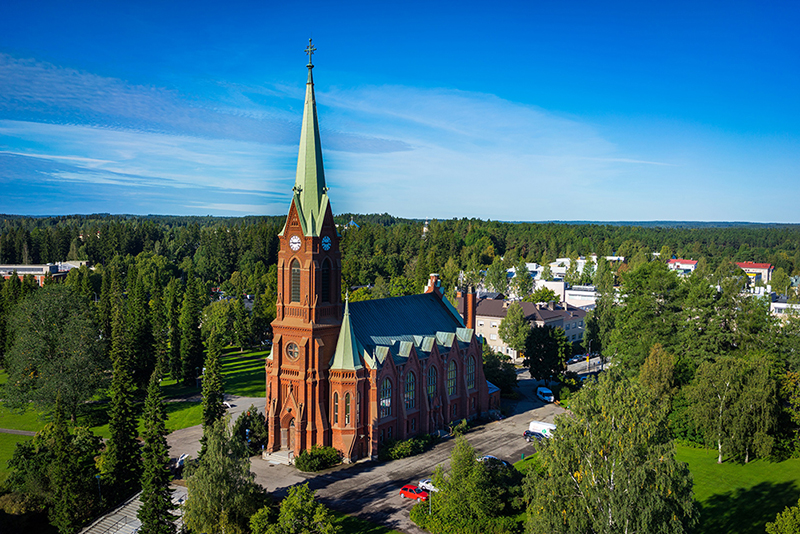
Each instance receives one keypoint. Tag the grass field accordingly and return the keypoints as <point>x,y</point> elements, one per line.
<point>356,525</point>
<point>740,498</point>
<point>243,374</point>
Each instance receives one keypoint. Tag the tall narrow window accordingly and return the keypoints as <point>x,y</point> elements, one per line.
<point>325,286</point>
<point>432,381</point>
<point>451,379</point>
<point>335,408</point>
<point>358,408</point>
<point>347,409</point>
<point>295,281</point>
<point>471,373</point>
<point>386,398</point>
<point>411,384</point>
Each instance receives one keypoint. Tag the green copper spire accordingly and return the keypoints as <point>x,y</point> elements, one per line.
<point>310,192</point>
<point>348,349</point>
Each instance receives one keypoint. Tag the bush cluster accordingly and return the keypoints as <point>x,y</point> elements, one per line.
<point>253,421</point>
<point>394,449</point>
<point>317,458</point>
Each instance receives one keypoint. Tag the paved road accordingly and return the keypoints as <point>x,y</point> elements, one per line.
<point>17,432</point>
<point>370,489</point>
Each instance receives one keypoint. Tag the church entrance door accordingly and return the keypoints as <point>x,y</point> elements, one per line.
<point>291,435</point>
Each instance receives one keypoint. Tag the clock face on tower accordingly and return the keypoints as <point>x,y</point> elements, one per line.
<point>326,243</point>
<point>294,243</point>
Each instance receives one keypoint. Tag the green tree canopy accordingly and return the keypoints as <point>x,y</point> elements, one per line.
<point>514,327</point>
<point>497,276</point>
<point>546,352</point>
<point>56,352</point>
<point>222,488</point>
<point>610,467</point>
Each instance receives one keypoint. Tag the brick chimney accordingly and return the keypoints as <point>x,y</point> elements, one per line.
<point>434,285</point>
<point>470,307</point>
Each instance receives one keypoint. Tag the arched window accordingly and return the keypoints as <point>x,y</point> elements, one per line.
<point>451,379</point>
<point>386,398</point>
<point>410,396</point>
<point>432,381</point>
<point>471,372</point>
<point>295,281</point>
<point>347,409</point>
<point>335,408</point>
<point>325,286</point>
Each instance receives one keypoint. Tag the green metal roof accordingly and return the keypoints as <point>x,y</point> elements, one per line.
<point>310,192</point>
<point>348,350</point>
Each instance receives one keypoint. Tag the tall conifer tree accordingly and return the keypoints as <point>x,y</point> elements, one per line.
<point>155,511</point>
<point>213,409</point>
<point>172,301</point>
<point>191,340</point>
<point>121,458</point>
<point>137,322</point>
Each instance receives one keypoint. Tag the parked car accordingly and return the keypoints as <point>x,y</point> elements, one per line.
<point>427,485</point>
<point>545,394</point>
<point>531,436</point>
<point>413,492</point>
<point>490,460</point>
<point>545,429</point>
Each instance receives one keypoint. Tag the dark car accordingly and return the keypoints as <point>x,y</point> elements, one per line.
<point>491,461</point>
<point>531,436</point>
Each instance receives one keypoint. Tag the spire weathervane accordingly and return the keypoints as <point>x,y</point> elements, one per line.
<point>310,51</point>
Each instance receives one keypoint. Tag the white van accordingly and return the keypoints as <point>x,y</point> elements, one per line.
<point>545,429</point>
<point>545,394</point>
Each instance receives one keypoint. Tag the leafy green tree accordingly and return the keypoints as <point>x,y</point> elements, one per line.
<point>572,276</point>
<point>400,286</point>
<point>522,282</point>
<point>497,276</point>
<point>543,294</point>
<point>251,426</point>
<point>547,273</point>
<point>223,493</point>
<point>56,352</point>
<point>121,460</point>
<point>610,467</point>
<point>514,327</point>
<point>780,281</point>
<point>472,496</point>
<point>156,508</point>
<point>242,326</point>
<point>300,513</point>
<point>657,374</point>
<point>714,394</point>
<point>787,522</point>
<point>56,469</point>
<point>546,352</point>
<point>649,315</point>
<point>498,369</point>
<point>755,413</point>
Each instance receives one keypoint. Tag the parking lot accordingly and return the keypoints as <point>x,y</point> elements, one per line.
<point>371,489</point>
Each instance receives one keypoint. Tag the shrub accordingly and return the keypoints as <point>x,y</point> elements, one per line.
<point>317,458</point>
<point>460,429</point>
<point>394,449</point>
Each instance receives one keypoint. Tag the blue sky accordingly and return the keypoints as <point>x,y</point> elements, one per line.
<point>530,111</point>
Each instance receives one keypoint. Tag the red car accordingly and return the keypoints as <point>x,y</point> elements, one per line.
<point>413,492</point>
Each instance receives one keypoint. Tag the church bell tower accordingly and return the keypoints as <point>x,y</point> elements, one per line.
<point>309,306</point>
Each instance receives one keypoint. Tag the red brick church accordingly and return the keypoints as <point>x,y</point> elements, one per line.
<point>353,376</point>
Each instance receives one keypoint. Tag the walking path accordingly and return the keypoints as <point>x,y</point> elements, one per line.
<point>17,432</point>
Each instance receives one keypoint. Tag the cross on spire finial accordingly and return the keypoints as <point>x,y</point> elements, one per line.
<point>310,49</point>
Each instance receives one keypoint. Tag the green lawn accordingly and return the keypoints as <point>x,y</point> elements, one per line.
<point>740,498</point>
<point>244,373</point>
<point>8,442</point>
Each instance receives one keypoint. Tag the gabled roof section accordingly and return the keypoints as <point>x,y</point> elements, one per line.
<point>348,350</point>
<point>310,190</point>
<point>386,321</point>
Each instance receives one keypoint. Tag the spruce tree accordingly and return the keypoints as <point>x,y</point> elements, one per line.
<point>121,458</point>
<point>103,312</point>
<point>172,300</point>
<point>137,322</point>
<point>155,512</point>
<point>191,341</point>
<point>159,321</point>
<point>213,409</point>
